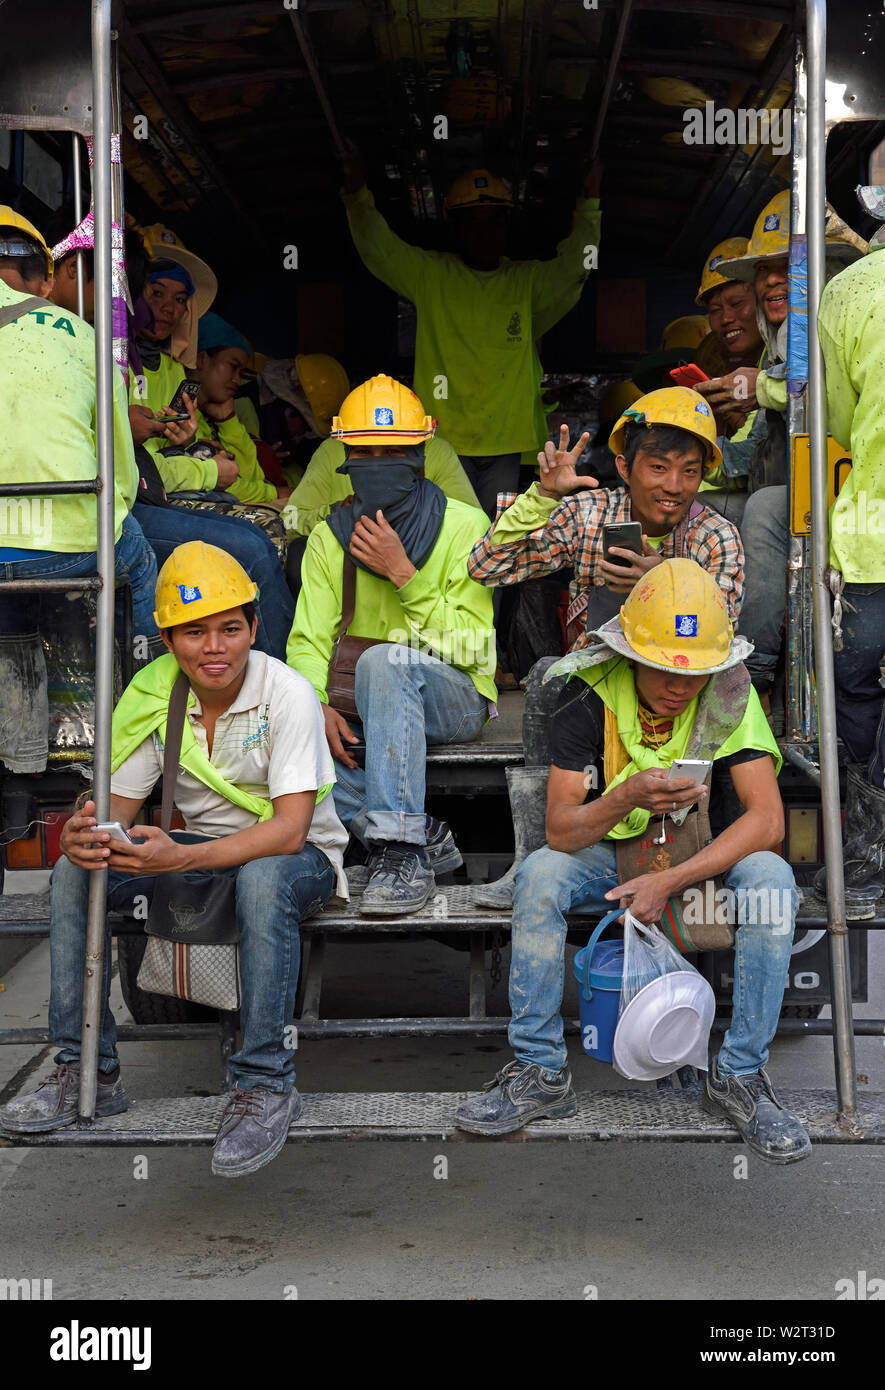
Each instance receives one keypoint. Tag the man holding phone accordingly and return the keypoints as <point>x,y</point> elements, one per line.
<point>665,677</point>
<point>663,443</point>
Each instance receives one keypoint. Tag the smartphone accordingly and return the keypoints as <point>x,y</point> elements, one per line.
<point>173,419</point>
<point>187,388</point>
<point>625,534</point>
<point>688,375</point>
<point>115,830</point>
<point>696,769</point>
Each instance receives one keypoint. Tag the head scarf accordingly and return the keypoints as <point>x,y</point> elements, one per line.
<point>411,504</point>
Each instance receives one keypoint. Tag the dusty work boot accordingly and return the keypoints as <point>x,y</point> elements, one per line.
<point>527,789</point>
<point>521,1091</point>
<point>443,854</point>
<point>402,881</point>
<point>863,846</point>
<point>766,1127</point>
<point>253,1129</point>
<point>54,1103</point>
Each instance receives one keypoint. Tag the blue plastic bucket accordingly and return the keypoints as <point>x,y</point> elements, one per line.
<point>599,969</point>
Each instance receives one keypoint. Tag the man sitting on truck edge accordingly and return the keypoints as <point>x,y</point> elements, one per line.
<point>253,786</point>
<point>429,677</point>
<point>662,443</point>
<point>667,663</point>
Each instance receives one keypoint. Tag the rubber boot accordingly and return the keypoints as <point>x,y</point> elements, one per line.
<point>863,846</point>
<point>527,789</point>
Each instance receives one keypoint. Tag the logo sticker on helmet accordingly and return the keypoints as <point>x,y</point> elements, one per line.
<point>383,415</point>
<point>686,624</point>
<point>717,260</point>
<point>680,659</point>
<point>480,182</point>
<point>702,408</point>
<point>772,222</point>
<point>189,593</point>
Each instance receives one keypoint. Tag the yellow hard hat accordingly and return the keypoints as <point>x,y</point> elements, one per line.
<point>382,411</point>
<point>616,398</point>
<point>324,382</point>
<point>478,188</point>
<point>686,332</point>
<point>198,580</point>
<point>671,405</point>
<point>676,619</point>
<point>711,277</point>
<point>771,239</point>
<point>10,219</point>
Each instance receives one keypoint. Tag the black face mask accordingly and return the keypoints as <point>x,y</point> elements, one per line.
<point>385,483</point>
<point>414,507</point>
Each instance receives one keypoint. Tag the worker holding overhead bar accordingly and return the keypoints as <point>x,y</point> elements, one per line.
<point>480,315</point>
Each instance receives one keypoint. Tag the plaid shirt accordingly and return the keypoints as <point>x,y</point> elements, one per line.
<point>571,535</point>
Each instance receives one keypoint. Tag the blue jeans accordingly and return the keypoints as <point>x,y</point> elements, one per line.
<point>765,533</point>
<point>133,558</point>
<point>273,895</point>
<point>550,884</point>
<point>860,715</point>
<point>167,527</point>
<point>406,700</point>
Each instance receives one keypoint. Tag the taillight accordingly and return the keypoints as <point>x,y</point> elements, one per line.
<point>55,823</point>
<point>41,848</point>
<point>26,853</point>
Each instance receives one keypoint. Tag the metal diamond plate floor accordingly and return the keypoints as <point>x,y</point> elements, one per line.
<point>628,1114</point>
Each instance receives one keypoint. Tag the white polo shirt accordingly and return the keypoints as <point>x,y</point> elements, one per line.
<point>271,742</point>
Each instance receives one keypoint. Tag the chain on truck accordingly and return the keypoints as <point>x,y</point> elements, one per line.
<point>192,137</point>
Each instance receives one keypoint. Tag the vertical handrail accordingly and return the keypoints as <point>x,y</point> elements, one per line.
<point>78,218</point>
<point>93,986</point>
<point>837,930</point>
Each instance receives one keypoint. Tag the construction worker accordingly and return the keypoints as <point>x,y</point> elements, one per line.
<point>299,395</point>
<point>222,355</point>
<point>734,341</point>
<point>763,455</point>
<point>479,316</point>
<point>668,664</point>
<point>48,401</point>
<point>849,322</point>
<point>253,787</point>
<point>662,445</point>
<point>430,676</point>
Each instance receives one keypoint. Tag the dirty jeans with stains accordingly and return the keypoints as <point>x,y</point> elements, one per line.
<point>549,884</point>
<point>406,699</point>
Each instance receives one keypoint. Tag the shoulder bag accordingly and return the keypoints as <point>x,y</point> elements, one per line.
<point>192,928</point>
<point>694,920</point>
<point>340,685</point>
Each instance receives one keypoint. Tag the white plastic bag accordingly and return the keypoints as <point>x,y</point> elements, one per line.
<point>666,1009</point>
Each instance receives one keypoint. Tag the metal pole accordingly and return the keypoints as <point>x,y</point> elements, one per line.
<point>310,63</point>
<point>626,10</point>
<point>840,972</point>
<point>78,218</point>
<point>93,987</point>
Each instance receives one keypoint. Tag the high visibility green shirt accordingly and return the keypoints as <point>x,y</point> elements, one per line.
<point>250,485</point>
<point>48,425</point>
<point>322,486</point>
<point>155,389</point>
<point>476,363</point>
<point>851,323</point>
<point>441,610</point>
